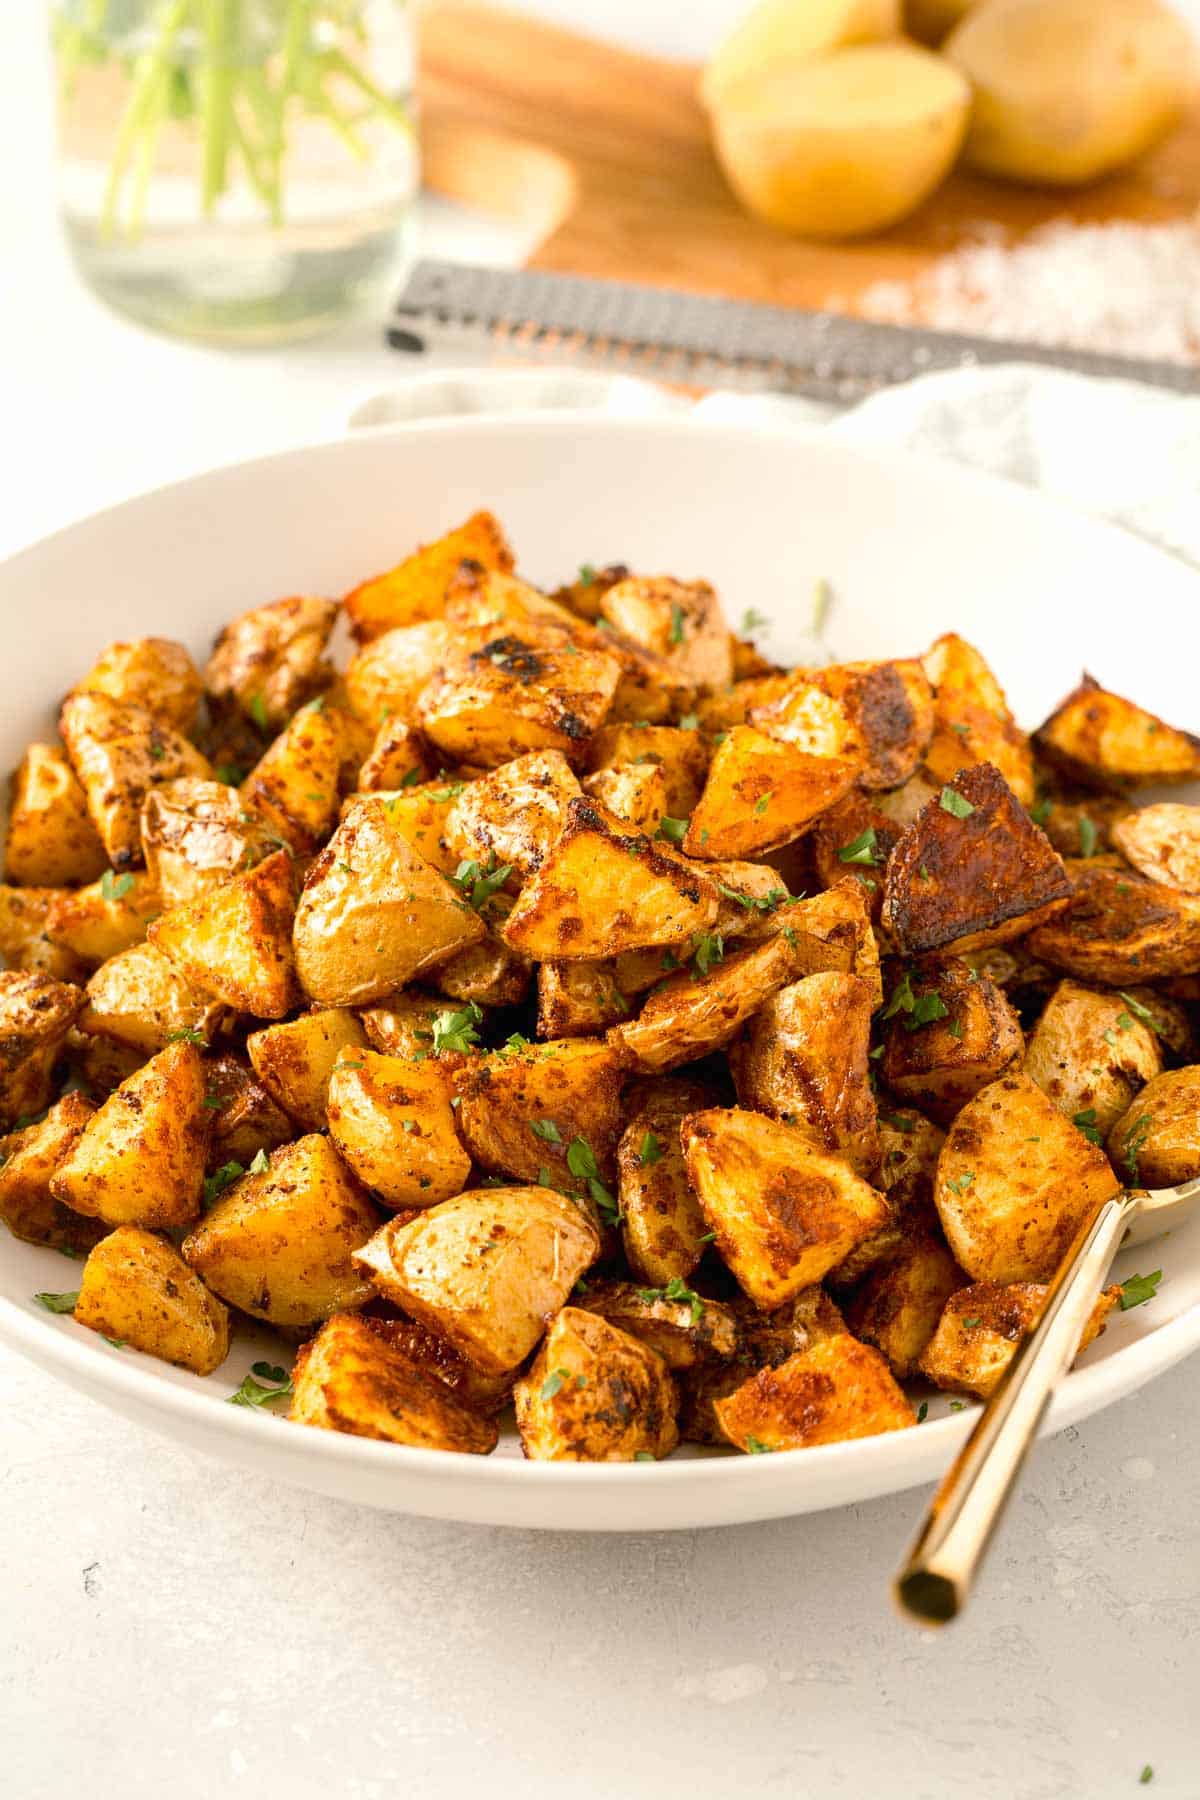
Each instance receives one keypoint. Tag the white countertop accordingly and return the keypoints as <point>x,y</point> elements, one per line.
<point>175,1627</point>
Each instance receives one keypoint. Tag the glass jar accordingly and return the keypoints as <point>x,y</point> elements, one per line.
<point>236,170</point>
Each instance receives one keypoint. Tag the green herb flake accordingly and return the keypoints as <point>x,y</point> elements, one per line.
<point>752,621</point>
<point>114,886</point>
<point>552,1383</point>
<point>546,1129</point>
<point>58,1303</point>
<point>587,574</point>
<point>1139,1012</point>
<point>970,1324</point>
<point>1146,1776</point>
<point>756,1447</point>
<point>261,1163</point>
<point>256,1393</point>
<point>581,1161</point>
<point>1134,1292</point>
<point>925,1009</point>
<point>1087,836</point>
<point>708,1238</point>
<point>1135,1142</point>
<point>897,1121</point>
<point>689,722</point>
<point>673,830</point>
<point>861,849</point>
<point>216,1183</point>
<point>951,801</point>
<point>957,1405</point>
<point>922,1412</point>
<point>650,1151</point>
<point>1041,812</point>
<point>187,1035</point>
<point>477,884</point>
<point>644,1456</point>
<point>678,619</point>
<point>676,1289</point>
<point>1085,1121</point>
<point>760,806</point>
<point>955,1029</point>
<point>708,948</point>
<point>258,711</point>
<point>455,1029</point>
<point>962,1183</point>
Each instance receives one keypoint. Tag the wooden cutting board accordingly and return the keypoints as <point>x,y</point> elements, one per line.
<point>603,156</point>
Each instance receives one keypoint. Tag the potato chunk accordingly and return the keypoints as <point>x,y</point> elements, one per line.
<point>1156,1143</point>
<point>973,869</point>
<point>898,1306</point>
<point>683,1327</point>
<point>137,1289</point>
<point>836,1389</point>
<point>486,1394</point>
<point>691,1015</point>
<point>403,1024</point>
<point>679,621</point>
<point>24,944</point>
<point>349,1378</point>
<point>271,660</point>
<point>497,693</point>
<point>236,942</point>
<point>854,838</point>
<point>392,1121</point>
<point>280,1244</point>
<point>295,1061</point>
<point>245,1119</point>
<point>152,672</point>
<point>293,787</point>
<point>415,589</point>
<point>1163,844</point>
<point>373,914</point>
<point>1098,737</point>
<point>516,814</point>
<point>36,1012</point>
<point>195,835</point>
<point>384,680</point>
<point>119,752</point>
<point>397,759</point>
<point>783,1213</point>
<point>909,1148</point>
<point>1119,929</point>
<point>1015,1183</point>
<point>595,1394</point>
<point>972,722</point>
<point>761,793</point>
<point>682,756</point>
<point>523,1109</point>
<point>486,1269</point>
<point>140,1159</point>
<point>981,1328</point>
<point>51,841</point>
<point>948,1033</point>
<point>104,918</point>
<point>142,1000</point>
<point>662,1224</point>
<point>603,889</point>
<point>805,1060</point>
<point>890,709</point>
<point>635,793</point>
<point>1090,1054</point>
<point>28,1158</point>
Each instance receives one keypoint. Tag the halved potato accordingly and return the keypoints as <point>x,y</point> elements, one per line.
<point>486,1394</point>
<point>392,1121</point>
<point>805,1060</point>
<point>415,589</point>
<point>836,1389</point>
<point>948,1033</point>
<point>195,835</point>
<point>50,841</point>
<point>1120,929</point>
<point>1090,1053</point>
<point>384,679</point>
<point>521,1109</point>
<point>269,661</point>
<point>153,672</point>
<point>104,918</point>
<point>787,30</point>
<point>981,1328</point>
<point>350,1378</point>
<point>595,1394</point>
<point>1163,844</point>
<point>681,755</point>
<point>516,814</point>
<point>690,1015</point>
<point>141,999</point>
<point>1156,1142</point>
<point>1098,737</point>
<point>898,1306</point>
<point>761,793</point>
<point>295,1060</point>
<point>1015,1182</point>
<point>137,1289</point>
<point>36,1012</point>
<point>663,1228</point>
<point>28,1159</point>
<point>972,721</point>
<point>119,752</point>
<point>679,621</point>
<point>486,1269</point>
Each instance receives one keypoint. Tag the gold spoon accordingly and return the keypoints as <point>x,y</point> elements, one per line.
<point>935,1581</point>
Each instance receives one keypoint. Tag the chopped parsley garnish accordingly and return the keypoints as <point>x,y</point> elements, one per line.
<point>1134,1292</point>
<point>822,602</point>
<point>232,776</point>
<point>546,1129</point>
<point>477,884</point>
<point>902,998</point>
<point>262,1161</point>
<point>676,1289</point>
<point>707,948</point>
<point>922,1412</point>
<point>644,1456</point>
<point>921,1009</point>
<point>674,830</point>
<point>756,1447</point>
<point>582,1163</point>
<point>448,793</point>
<point>58,1303</point>
<point>187,1035</point>
<point>258,711</point>
<point>1086,1122</point>
<point>760,806</point>
<point>1135,1142</point>
<point>1139,1012</point>
<point>861,849</point>
<point>752,621</point>
<point>255,1393</point>
<point>678,616</point>
<point>955,1028</point>
<point>962,1183</point>
<point>1087,836</point>
<point>951,801</point>
<point>455,1029</point>
<point>651,1150</point>
<point>689,722</point>
<point>763,903</point>
<point>552,1383</point>
<point>1041,812</point>
<point>1146,1776</point>
<point>587,574</point>
<point>216,1183</point>
<point>411,778</point>
<point>970,1324</point>
<point>114,886</point>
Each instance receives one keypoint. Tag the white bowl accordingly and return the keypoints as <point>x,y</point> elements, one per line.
<point>910,547</point>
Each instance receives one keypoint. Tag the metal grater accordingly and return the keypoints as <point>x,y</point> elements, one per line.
<point>702,341</point>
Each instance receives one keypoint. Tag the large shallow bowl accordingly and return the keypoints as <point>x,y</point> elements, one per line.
<point>910,548</point>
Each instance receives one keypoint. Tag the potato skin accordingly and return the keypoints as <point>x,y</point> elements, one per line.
<point>269,661</point>
<point>140,999</point>
<point>783,1214</point>
<point>119,752</point>
<point>972,721</point>
<point>295,1061</point>
<point>36,1013</point>
<point>688,1017</point>
<point>1156,1142</point>
<point>28,1159</point>
<point>195,835</point>
<point>1120,929</point>
<point>571,1086</point>
<point>153,672</point>
<point>397,759</point>
<point>1090,1054</point>
<point>236,943</point>
<point>1163,844</point>
<point>834,1390</point>
<point>805,1060</point>
<point>898,1307</point>
<point>478,1392</point>
<point>982,1325</point>
<point>486,1269</point>
<point>350,1378</point>
<point>293,787</point>
<point>137,1289</point>
<point>663,1227</point>
<point>516,813</point>
<point>1015,1183</point>
<point>1099,738</point>
<point>762,793</point>
<point>50,841</point>
<point>595,1394</point>
<point>416,588</point>
<point>93,927</point>
<point>280,1244</point>
<point>140,1159</point>
<point>943,1064</point>
<point>392,1123</point>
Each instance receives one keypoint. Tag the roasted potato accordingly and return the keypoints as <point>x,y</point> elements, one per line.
<point>1119,929</point>
<point>898,1306</point>
<point>515,814</point>
<point>119,752</point>
<point>140,1159</point>
<point>947,1033</point>
<point>421,815</point>
<point>891,712</point>
<point>415,589</point>
<point>403,1025</point>
<point>24,912</point>
<point>831,931</point>
<point>524,1111</point>
<point>836,1389</point>
<point>683,1327</point>
<point>350,1378</point>
<point>761,793</point>
<point>1097,737</point>
<point>36,1012</point>
<point>236,942</point>
<point>137,1290</point>
<point>244,1117</point>
<point>397,759</point>
<point>141,999</point>
<point>486,1269</point>
<point>296,1060</point>
<point>805,1060</point>
<point>972,722</point>
<point>1015,1183</point>
<point>767,1340</point>
<point>1163,844</point>
<point>1090,1054</point>
<point>195,835</point>
<point>280,1242</point>
<point>384,680</point>
<point>489,973</point>
<point>1156,1142</point>
<point>478,1392</point>
<point>1079,824</point>
<point>104,918</point>
<point>909,1146</point>
<point>663,1228</point>
<point>635,793</point>
<point>51,841</point>
<point>693,1013</point>
<point>28,1159</point>
<point>982,1325</point>
<point>152,672</point>
<point>681,756</point>
<point>270,661</point>
<point>854,838</point>
<point>680,622</point>
<point>293,788</point>
<point>392,1122</point>
<point>595,1394</point>
<point>580,999</point>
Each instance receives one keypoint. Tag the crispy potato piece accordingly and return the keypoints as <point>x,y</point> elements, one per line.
<point>689,1015</point>
<point>195,835</point>
<point>392,1121</point>
<point>140,1159</point>
<point>890,709</point>
<point>486,1269</point>
<point>397,758</point>
<point>271,660</point>
<point>1015,1183</point>
<point>51,841</point>
<point>570,908</point>
<point>516,813</point>
<point>733,705</point>
<point>805,1060</point>
<point>403,1025</point>
<point>497,693</point>
<point>810,719</point>
<point>834,1390</point>
<point>36,1012</point>
<point>948,1033</point>
<point>522,1108</point>
<point>1120,929</point>
<point>293,787</point>
<point>750,892</point>
<point>829,931</point>
<point>767,1340</point>
<point>153,672</point>
<point>595,1394</point>
<point>384,680</point>
<point>102,1063</point>
<point>137,1289</point>
<point>762,793</point>
<point>140,998</point>
<point>119,752</point>
<point>579,999</point>
<point>489,973</point>
<point>236,943</point>
<point>783,1213</point>
<point>972,722</point>
<point>1079,827</point>
<point>104,918</point>
<point>663,1228</point>
<point>415,589</point>
<point>280,1244</point>
<point>479,1393</point>
<point>1090,1055</point>
<point>898,1306</point>
<point>972,870</point>
<point>679,621</point>
<point>583,596</point>
<point>24,913</point>
<point>683,1327</point>
<point>244,1118</point>
<point>681,755</point>
<point>1163,844</point>
<point>373,914</point>
<point>981,1328</point>
<point>295,1061</point>
<point>635,793</point>
<point>421,815</point>
<point>909,1148</point>
<point>1097,737</point>
<point>28,1159</point>
<point>350,1378</point>
<point>1156,1142</point>
<point>479,596</point>
<point>854,838</point>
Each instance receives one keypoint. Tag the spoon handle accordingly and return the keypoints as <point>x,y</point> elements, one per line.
<point>935,1581</point>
